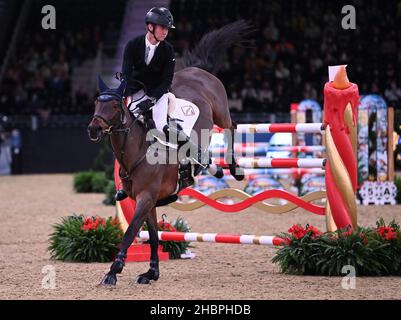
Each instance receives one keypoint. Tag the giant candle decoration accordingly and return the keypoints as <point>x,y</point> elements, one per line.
<point>340,108</point>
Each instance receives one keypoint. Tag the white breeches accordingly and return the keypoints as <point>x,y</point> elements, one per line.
<point>159,111</point>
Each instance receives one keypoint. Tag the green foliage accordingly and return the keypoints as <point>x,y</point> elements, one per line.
<point>371,251</point>
<point>80,239</point>
<point>299,257</point>
<point>90,181</point>
<point>104,160</point>
<point>175,249</point>
<point>83,181</point>
<point>99,182</point>
<point>110,192</point>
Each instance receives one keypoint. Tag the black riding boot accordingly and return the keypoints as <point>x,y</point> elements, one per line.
<point>202,156</point>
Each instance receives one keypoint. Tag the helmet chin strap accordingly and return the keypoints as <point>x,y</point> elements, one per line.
<point>153,32</point>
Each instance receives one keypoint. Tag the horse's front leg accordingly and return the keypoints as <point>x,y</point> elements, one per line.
<point>145,203</point>
<point>153,272</point>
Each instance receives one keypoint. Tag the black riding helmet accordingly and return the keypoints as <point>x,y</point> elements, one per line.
<point>161,16</point>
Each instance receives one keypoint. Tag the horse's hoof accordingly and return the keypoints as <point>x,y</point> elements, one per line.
<point>219,173</point>
<point>110,279</point>
<point>142,280</point>
<point>238,173</point>
<point>145,278</point>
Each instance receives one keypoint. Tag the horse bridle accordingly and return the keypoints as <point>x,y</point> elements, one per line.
<point>112,128</point>
<point>112,95</point>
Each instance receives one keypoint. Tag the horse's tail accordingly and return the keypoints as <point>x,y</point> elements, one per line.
<point>209,53</point>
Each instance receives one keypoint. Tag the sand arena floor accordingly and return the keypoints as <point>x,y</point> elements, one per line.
<point>30,204</point>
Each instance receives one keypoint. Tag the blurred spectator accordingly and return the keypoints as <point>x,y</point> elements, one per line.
<point>281,72</point>
<point>271,32</point>
<point>5,155</point>
<point>16,151</point>
<point>296,42</point>
<point>393,93</point>
<point>309,92</point>
<point>249,97</point>
<point>266,96</point>
<point>37,80</point>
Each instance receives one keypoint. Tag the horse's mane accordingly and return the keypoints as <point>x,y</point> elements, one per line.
<point>209,53</point>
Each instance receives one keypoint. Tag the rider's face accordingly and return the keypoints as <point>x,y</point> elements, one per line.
<point>161,32</point>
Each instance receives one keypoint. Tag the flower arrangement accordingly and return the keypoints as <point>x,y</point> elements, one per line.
<point>175,249</point>
<point>372,251</point>
<point>85,239</point>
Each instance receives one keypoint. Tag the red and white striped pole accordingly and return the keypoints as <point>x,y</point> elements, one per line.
<point>272,171</point>
<point>263,149</point>
<point>214,237</point>
<point>275,163</point>
<point>281,127</point>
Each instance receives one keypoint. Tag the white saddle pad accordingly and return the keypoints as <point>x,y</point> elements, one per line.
<point>183,110</point>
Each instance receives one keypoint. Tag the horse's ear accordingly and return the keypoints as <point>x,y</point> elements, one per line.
<point>101,85</point>
<point>121,88</point>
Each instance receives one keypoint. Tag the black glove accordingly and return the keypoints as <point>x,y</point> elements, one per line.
<point>145,105</point>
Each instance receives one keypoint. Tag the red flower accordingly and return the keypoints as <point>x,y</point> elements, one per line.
<point>314,232</point>
<point>99,221</point>
<point>346,233</point>
<point>115,222</point>
<point>387,233</point>
<point>297,231</point>
<point>286,241</point>
<point>165,226</point>
<point>90,224</point>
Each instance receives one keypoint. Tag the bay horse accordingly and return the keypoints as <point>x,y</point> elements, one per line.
<point>152,185</point>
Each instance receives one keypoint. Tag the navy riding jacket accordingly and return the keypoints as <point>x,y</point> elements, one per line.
<point>157,76</point>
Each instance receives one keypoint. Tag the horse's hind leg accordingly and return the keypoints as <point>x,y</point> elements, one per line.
<point>236,171</point>
<point>153,272</point>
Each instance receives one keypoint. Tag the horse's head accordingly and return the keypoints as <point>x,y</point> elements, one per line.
<point>109,112</point>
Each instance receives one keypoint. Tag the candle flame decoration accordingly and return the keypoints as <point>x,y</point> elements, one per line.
<point>341,79</point>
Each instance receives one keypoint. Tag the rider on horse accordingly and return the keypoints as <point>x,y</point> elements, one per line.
<point>150,59</point>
